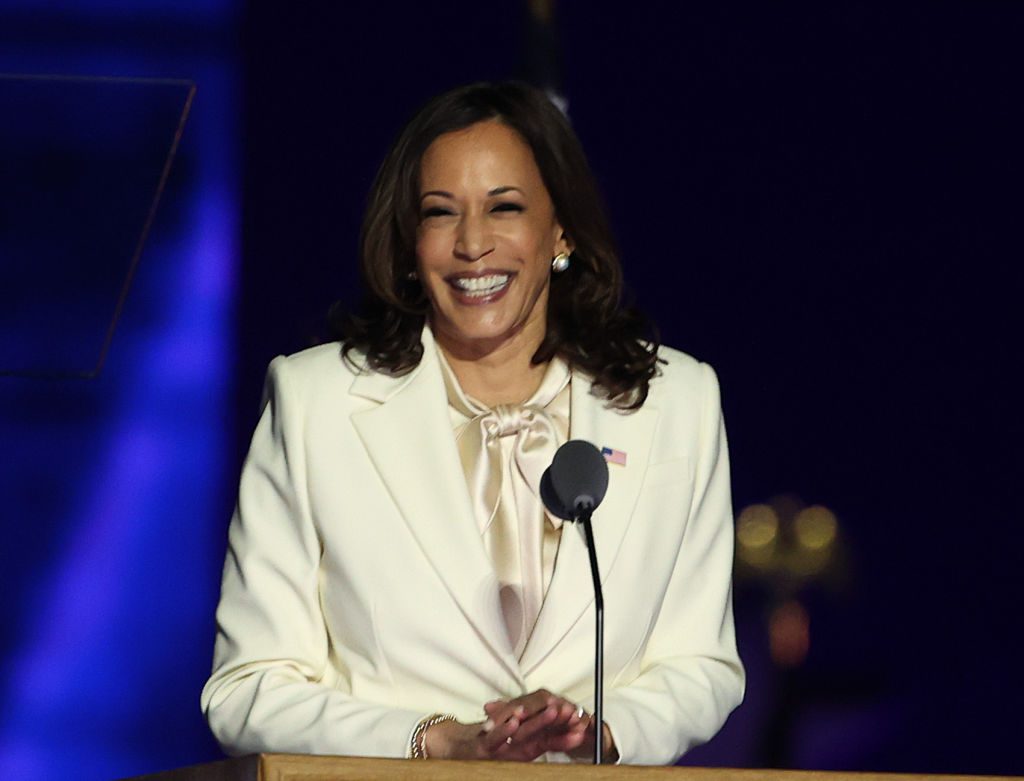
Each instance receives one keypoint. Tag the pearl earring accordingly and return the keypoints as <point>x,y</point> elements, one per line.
<point>560,262</point>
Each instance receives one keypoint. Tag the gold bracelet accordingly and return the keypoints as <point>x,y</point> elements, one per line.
<point>418,741</point>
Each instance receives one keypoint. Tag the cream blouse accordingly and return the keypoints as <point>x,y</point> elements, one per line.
<point>504,452</point>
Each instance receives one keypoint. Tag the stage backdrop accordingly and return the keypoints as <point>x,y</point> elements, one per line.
<point>820,200</point>
<point>113,491</point>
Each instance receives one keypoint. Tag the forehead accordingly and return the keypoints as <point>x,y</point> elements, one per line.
<point>488,153</point>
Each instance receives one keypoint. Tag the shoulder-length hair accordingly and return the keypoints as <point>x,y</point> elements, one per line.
<point>587,324</point>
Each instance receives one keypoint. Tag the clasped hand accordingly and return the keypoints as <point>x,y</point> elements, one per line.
<point>518,730</point>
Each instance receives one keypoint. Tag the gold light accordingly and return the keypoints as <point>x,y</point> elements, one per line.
<point>815,528</point>
<point>757,531</point>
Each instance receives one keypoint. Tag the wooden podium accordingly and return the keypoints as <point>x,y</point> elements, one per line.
<point>301,767</point>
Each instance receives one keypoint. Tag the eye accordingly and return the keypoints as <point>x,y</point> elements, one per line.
<point>434,211</point>
<point>507,206</point>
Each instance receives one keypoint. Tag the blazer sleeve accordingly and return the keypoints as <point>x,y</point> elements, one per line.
<point>269,691</point>
<point>691,676</point>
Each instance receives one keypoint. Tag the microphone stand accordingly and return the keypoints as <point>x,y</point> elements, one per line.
<point>583,513</point>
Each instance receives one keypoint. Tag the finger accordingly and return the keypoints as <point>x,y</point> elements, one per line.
<point>543,742</point>
<point>501,713</point>
<point>496,749</point>
<point>523,708</point>
<point>537,723</point>
<point>520,750</point>
<point>566,712</point>
<point>568,738</point>
<point>557,716</point>
<point>517,751</point>
<point>567,741</point>
<point>501,732</point>
<point>535,702</point>
<point>527,742</point>
<point>560,702</point>
<point>546,731</point>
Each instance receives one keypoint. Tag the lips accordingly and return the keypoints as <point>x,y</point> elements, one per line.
<point>480,288</point>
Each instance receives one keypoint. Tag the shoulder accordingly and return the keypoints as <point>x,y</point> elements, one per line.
<point>314,363</point>
<point>685,396</point>
<point>326,375</point>
<point>304,377</point>
<point>681,373</point>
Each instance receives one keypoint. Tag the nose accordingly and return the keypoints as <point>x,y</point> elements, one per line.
<point>474,238</point>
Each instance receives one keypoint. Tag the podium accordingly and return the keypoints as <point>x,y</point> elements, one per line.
<point>302,767</point>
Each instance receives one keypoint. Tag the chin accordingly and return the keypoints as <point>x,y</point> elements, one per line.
<point>476,334</point>
<point>488,326</point>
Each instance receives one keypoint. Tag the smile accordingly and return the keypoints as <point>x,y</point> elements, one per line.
<point>481,287</point>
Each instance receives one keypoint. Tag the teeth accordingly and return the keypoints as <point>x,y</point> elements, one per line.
<point>481,286</point>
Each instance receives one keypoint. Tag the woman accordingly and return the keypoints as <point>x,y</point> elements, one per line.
<point>393,585</point>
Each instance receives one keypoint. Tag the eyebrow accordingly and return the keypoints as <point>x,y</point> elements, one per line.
<point>490,193</point>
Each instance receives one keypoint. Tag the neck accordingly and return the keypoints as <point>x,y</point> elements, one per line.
<point>501,375</point>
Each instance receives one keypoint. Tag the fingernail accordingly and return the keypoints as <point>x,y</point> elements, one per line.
<point>488,725</point>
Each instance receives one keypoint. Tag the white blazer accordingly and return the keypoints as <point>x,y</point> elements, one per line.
<point>357,595</point>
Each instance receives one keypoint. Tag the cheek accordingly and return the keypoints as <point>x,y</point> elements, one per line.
<point>530,246</point>
<point>539,257</point>
<point>430,250</point>
<point>539,282</point>
<point>544,236</point>
<point>426,263</point>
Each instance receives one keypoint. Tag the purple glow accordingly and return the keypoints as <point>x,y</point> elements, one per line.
<point>117,625</point>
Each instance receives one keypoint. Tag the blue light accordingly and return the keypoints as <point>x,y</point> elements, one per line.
<point>115,489</point>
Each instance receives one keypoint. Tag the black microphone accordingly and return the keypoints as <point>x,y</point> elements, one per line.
<point>572,488</point>
<point>577,479</point>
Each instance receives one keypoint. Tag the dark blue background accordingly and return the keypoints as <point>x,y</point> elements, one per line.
<point>821,200</point>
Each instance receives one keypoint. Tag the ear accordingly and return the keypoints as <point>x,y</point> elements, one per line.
<point>562,242</point>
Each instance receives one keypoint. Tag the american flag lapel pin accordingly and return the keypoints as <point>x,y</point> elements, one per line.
<point>613,456</point>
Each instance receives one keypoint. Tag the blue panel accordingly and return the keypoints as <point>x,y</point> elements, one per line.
<point>114,490</point>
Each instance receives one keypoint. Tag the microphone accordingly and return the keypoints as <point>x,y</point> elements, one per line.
<point>572,488</point>
<point>576,480</point>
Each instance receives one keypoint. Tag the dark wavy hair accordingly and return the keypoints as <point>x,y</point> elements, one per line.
<point>587,324</point>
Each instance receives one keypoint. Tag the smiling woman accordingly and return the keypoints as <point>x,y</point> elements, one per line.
<point>486,238</point>
<point>493,131</point>
<point>394,585</point>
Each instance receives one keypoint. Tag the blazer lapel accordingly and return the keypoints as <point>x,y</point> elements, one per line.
<point>409,439</point>
<point>571,593</point>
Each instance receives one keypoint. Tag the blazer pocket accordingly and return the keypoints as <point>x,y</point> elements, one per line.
<point>674,472</point>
